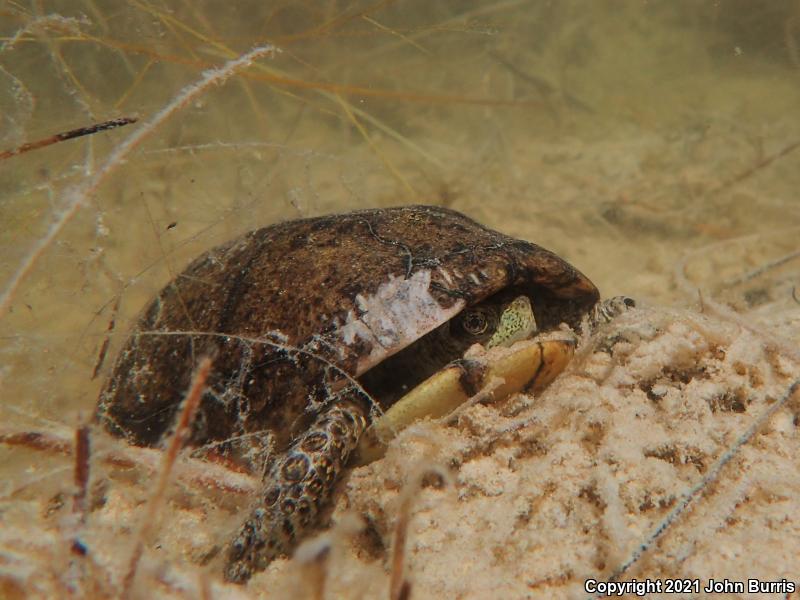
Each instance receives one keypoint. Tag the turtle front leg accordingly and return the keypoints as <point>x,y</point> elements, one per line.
<point>297,487</point>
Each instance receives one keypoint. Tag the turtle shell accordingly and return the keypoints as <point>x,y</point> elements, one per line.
<point>290,311</point>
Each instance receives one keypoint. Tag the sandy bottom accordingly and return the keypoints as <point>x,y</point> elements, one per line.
<point>669,449</point>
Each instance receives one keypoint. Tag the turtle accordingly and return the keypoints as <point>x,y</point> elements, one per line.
<point>316,327</point>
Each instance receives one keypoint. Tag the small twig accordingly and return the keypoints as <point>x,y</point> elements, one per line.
<point>542,87</point>
<point>68,135</point>
<point>398,582</point>
<point>486,393</point>
<point>76,198</point>
<point>400,35</point>
<point>405,591</point>
<point>101,356</point>
<point>313,555</point>
<point>698,489</point>
<point>182,430</point>
<point>82,454</point>
<point>206,593</point>
<point>763,269</point>
<point>719,309</point>
<point>790,33</point>
<point>197,472</point>
<point>371,143</point>
<point>313,559</point>
<point>399,585</point>
<point>760,164</point>
<point>38,440</point>
<point>681,267</point>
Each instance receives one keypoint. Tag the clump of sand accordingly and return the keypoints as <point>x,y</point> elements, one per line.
<point>565,487</point>
<point>669,449</point>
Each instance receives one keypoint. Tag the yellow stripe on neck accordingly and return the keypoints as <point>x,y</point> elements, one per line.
<point>516,323</point>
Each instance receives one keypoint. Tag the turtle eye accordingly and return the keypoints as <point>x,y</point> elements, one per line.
<point>475,322</point>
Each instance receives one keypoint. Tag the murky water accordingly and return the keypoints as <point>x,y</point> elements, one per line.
<point>638,140</point>
<point>619,135</point>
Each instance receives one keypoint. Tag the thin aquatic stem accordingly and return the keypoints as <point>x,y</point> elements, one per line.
<point>76,197</point>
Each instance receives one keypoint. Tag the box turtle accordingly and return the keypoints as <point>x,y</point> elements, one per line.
<point>317,327</point>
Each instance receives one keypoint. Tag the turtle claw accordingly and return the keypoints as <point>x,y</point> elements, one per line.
<point>297,487</point>
<point>606,311</point>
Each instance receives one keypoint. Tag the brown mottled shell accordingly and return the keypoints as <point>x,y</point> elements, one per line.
<point>286,310</point>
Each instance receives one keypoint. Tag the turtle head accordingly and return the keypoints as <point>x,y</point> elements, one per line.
<point>516,323</point>
<point>497,321</point>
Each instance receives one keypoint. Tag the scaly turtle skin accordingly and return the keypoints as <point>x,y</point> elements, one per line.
<point>300,318</point>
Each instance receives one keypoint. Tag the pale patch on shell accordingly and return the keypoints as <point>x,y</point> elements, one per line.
<point>445,275</point>
<point>400,312</point>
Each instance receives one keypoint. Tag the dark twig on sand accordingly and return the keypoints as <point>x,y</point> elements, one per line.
<point>182,430</point>
<point>761,164</point>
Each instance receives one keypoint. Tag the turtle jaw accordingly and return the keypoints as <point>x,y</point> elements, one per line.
<point>528,364</point>
<point>387,376</point>
<point>497,373</point>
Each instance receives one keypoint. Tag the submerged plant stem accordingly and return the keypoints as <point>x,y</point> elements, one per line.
<point>182,431</point>
<point>76,197</point>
